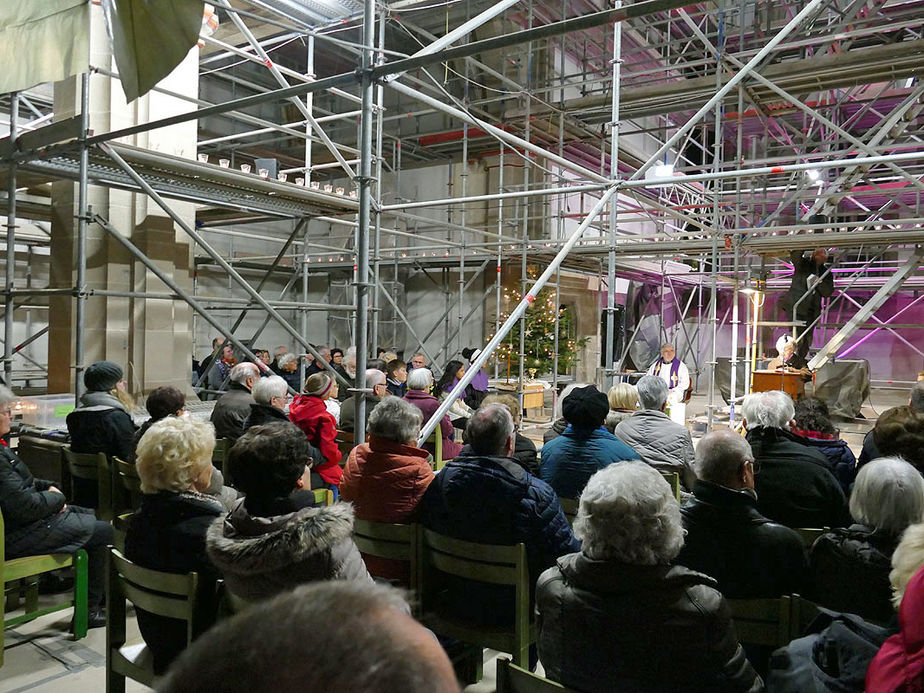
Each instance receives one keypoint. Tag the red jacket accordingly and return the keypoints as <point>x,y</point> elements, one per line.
<point>385,481</point>
<point>309,414</point>
<point>428,404</point>
<point>898,667</point>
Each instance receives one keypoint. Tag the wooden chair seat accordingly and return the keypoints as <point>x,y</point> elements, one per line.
<point>514,679</point>
<point>126,484</point>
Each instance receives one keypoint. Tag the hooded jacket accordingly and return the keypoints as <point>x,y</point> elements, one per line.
<point>569,460</point>
<point>260,557</point>
<point>309,414</point>
<point>664,444</point>
<point>850,572</point>
<point>611,626</point>
<point>898,667</point>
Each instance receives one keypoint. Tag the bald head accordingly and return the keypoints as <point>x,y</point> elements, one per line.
<point>721,458</point>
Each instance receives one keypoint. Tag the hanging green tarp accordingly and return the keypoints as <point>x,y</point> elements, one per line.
<point>150,38</point>
<point>42,41</point>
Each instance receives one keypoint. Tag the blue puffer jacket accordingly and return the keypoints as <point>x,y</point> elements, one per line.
<point>493,500</point>
<point>569,460</point>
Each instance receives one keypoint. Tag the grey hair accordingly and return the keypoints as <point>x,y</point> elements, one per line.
<point>286,359</point>
<point>652,392</point>
<point>564,393</point>
<point>314,628</point>
<point>628,513</point>
<point>6,396</point>
<point>719,455</point>
<point>917,396</point>
<point>772,409</point>
<point>888,495</point>
<point>907,560</point>
<point>242,371</point>
<point>266,388</point>
<point>395,419</point>
<point>374,377</point>
<point>419,379</point>
<point>489,429</point>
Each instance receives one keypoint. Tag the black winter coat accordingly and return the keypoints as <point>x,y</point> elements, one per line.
<point>32,517</point>
<point>168,533</point>
<point>260,414</point>
<point>870,450</point>
<point>493,500</point>
<point>850,572</point>
<point>803,268</point>
<point>747,554</point>
<point>794,484</point>
<point>98,429</point>
<point>524,453</point>
<point>609,626</point>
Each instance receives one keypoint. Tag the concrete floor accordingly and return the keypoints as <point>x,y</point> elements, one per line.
<point>40,656</point>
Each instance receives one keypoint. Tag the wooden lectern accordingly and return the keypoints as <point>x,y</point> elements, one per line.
<point>789,382</point>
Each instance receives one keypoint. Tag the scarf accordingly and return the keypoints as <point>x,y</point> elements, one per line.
<point>100,399</point>
<point>675,371</point>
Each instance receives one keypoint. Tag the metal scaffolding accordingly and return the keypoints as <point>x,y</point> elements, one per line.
<point>778,126</point>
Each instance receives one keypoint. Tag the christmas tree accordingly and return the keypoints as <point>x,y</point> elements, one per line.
<point>542,318</point>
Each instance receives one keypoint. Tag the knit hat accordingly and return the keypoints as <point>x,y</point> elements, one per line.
<point>102,376</point>
<point>318,384</point>
<point>585,407</point>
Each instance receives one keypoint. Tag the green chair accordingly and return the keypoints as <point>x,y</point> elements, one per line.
<point>514,679</point>
<point>323,496</point>
<point>165,594</point>
<point>673,478</point>
<point>91,466</point>
<point>570,506</point>
<point>437,439</point>
<point>127,483</point>
<point>120,525</point>
<point>391,541</point>
<point>28,568</point>
<point>488,563</point>
<point>810,534</point>
<point>765,622</point>
<point>220,454</point>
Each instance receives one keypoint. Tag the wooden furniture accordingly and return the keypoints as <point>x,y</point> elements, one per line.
<point>488,563</point>
<point>514,679</point>
<point>126,486</point>
<point>323,496</point>
<point>392,541</point>
<point>570,507</point>
<point>120,525</point>
<point>91,466</point>
<point>766,622</point>
<point>810,534</point>
<point>436,438</point>
<point>220,454</point>
<point>165,594</point>
<point>789,382</point>
<point>28,568</point>
<point>673,478</point>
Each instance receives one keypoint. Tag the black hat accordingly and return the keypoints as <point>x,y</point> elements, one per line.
<point>585,407</point>
<point>470,354</point>
<point>102,376</point>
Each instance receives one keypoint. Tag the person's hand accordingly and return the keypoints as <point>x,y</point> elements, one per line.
<point>55,489</point>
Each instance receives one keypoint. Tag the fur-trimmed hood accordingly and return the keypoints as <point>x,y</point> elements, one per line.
<point>262,556</point>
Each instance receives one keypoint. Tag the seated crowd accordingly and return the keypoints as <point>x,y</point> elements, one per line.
<point>644,564</point>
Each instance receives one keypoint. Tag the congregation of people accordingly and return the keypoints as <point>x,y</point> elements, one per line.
<point>631,593</point>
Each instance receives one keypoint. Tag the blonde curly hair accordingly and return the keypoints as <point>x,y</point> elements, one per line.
<point>906,561</point>
<point>173,453</point>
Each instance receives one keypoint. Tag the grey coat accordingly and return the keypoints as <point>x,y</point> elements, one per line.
<point>230,411</point>
<point>664,444</point>
<point>260,557</point>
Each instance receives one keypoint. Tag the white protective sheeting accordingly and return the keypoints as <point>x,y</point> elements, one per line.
<point>42,41</point>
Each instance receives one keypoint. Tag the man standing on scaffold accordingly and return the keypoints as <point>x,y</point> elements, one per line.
<point>674,372</point>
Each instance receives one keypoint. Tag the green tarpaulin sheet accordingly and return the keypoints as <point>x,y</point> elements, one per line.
<point>42,41</point>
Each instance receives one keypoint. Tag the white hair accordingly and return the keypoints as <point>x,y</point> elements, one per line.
<point>419,379</point>
<point>907,560</point>
<point>772,409</point>
<point>564,393</point>
<point>286,359</point>
<point>652,392</point>
<point>719,456</point>
<point>266,388</point>
<point>888,495</point>
<point>242,371</point>
<point>628,513</point>
<point>395,419</point>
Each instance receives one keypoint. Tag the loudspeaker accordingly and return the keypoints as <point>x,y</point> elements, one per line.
<point>619,336</point>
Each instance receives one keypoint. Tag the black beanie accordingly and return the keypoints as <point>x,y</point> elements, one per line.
<point>102,376</point>
<point>585,407</point>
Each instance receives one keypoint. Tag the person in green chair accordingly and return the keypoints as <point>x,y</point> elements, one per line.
<point>38,519</point>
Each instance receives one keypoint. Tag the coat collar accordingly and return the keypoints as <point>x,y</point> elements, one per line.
<point>377,444</point>
<point>722,496</point>
<point>617,577</point>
